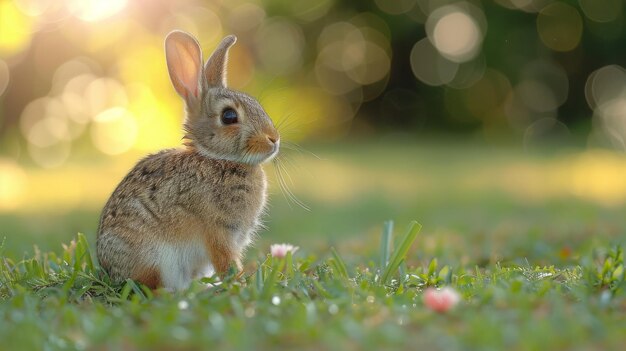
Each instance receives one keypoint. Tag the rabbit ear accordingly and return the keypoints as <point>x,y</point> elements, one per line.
<point>184,63</point>
<point>215,68</point>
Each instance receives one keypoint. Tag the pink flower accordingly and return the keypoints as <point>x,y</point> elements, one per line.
<point>441,300</point>
<point>280,250</point>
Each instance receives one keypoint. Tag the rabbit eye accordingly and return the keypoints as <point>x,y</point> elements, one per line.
<point>229,116</point>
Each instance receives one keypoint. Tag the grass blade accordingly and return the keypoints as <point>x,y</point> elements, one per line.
<point>289,265</point>
<point>385,244</point>
<point>400,253</point>
<point>85,252</point>
<point>126,290</point>
<point>340,265</point>
<point>259,277</point>
<point>270,282</point>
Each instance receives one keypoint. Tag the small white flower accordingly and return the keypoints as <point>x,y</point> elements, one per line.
<point>281,250</point>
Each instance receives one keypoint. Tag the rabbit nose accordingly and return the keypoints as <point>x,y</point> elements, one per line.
<point>272,139</point>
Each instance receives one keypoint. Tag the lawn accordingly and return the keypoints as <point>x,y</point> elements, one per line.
<point>530,240</point>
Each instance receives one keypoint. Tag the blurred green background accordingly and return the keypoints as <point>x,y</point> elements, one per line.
<point>491,122</point>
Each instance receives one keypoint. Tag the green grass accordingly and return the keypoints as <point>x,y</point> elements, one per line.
<point>64,301</point>
<point>533,273</point>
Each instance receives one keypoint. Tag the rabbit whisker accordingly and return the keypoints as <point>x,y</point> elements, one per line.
<point>284,185</point>
<point>296,147</point>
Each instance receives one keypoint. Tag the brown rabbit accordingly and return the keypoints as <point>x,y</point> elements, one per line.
<point>185,213</point>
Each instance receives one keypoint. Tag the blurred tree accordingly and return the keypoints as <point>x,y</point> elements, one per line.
<point>333,67</point>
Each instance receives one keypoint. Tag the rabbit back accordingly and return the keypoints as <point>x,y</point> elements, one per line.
<point>175,214</point>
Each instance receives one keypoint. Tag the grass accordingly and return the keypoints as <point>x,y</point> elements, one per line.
<point>536,258</point>
<point>65,301</point>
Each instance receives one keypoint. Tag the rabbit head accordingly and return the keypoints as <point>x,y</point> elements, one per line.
<point>221,123</point>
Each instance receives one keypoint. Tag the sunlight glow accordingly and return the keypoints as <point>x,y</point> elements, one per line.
<point>15,29</point>
<point>114,131</point>
<point>33,7</point>
<point>158,118</point>
<point>95,10</point>
<point>12,183</point>
<point>598,175</point>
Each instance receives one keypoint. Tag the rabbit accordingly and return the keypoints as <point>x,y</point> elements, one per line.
<point>186,213</point>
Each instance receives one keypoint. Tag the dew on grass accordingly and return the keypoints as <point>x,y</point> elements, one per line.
<point>249,312</point>
<point>183,305</point>
<point>401,320</point>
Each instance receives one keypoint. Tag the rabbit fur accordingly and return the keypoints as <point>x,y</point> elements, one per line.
<point>185,213</point>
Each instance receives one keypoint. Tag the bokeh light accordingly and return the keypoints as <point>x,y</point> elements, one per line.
<point>95,10</point>
<point>553,78</point>
<point>602,10</point>
<point>87,79</point>
<point>351,55</point>
<point>545,131</point>
<point>605,92</point>
<point>524,5</point>
<point>280,46</point>
<point>114,131</point>
<point>560,26</point>
<point>201,21</point>
<point>612,115</point>
<point>52,155</point>
<point>528,102</point>
<point>429,66</point>
<point>454,32</point>
<point>246,17</point>
<point>605,84</point>
<point>469,73</point>
<point>310,10</point>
